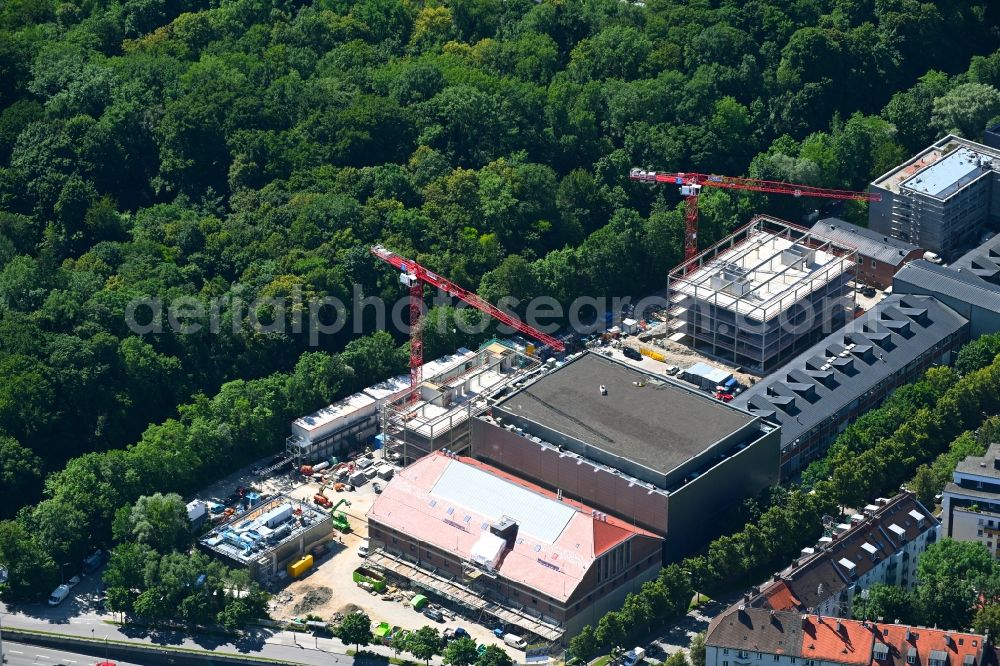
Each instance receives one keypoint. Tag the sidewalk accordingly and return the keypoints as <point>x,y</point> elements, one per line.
<point>258,641</point>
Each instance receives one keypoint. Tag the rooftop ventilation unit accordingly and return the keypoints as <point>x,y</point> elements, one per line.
<point>798,256</point>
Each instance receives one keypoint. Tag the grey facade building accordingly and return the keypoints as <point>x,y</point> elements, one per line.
<point>849,372</point>
<point>942,198</point>
<point>647,449</point>
<point>991,137</point>
<point>971,501</point>
<point>962,290</point>
<point>761,294</point>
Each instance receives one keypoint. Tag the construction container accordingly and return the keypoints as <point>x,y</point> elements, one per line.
<point>196,511</point>
<point>419,601</point>
<point>373,578</point>
<point>385,472</point>
<point>359,479</point>
<point>653,354</point>
<point>277,515</point>
<point>300,566</point>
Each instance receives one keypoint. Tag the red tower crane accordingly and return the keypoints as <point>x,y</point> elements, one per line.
<point>691,183</point>
<point>414,276</point>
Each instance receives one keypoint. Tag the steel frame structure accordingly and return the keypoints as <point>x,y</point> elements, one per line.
<point>745,328</point>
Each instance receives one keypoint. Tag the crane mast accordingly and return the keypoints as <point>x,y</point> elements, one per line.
<point>414,276</point>
<point>690,185</point>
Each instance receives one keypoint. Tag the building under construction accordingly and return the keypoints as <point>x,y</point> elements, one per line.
<point>266,537</point>
<point>436,415</point>
<point>762,294</point>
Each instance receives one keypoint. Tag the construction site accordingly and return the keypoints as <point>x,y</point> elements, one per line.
<point>761,294</point>
<point>523,489</point>
<point>268,534</point>
<point>437,414</point>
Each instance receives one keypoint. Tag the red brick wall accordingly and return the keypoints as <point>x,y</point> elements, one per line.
<point>881,274</point>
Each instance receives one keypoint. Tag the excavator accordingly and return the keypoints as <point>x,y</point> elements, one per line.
<point>338,518</point>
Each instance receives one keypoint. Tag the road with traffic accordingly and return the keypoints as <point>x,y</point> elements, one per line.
<point>19,654</point>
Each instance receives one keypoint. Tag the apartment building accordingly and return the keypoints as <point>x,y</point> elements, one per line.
<point>882,545</point>
<point>971,501</point>
<point>942,198</point>
<point>879,255</point>
<point>744,636</point>
<point>822,390</point>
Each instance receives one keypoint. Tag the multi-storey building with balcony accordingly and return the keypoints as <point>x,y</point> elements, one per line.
<point>971,502</point>
<point>882,545</point>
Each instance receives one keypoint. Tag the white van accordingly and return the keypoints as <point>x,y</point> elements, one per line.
<point>515,641</point>
<point>634,656</point>
<point>59,595</point>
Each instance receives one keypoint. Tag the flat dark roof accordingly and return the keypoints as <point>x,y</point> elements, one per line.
<point>659,425</point>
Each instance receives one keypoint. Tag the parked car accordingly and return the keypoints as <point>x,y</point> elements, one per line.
<point>515,641</point>
<point>59,595</point>
<point>460,633</point>
<point>363,550</point>
<point>724,397</point>
<point>434,614</point>
<point>93,562</point>
<point>868,292</point>
<point>632,353</point>
<point>377,487</point>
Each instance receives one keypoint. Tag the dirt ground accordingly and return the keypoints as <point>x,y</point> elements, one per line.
<point>678,355</point>
<point>328,588</point>
<point>683,356</point>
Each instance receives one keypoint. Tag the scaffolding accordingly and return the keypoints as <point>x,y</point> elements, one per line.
<point>438,413</point>
<point>472,597</point>
<point>762,294</point>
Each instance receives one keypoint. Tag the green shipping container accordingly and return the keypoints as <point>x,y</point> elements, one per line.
<point>419,601</point>
<point>363,575</point>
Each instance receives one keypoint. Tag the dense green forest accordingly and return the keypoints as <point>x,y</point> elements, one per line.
<point>223,150</point>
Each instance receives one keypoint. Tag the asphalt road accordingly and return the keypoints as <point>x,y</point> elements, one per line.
<point>24,655</point>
